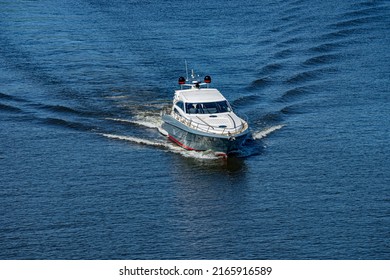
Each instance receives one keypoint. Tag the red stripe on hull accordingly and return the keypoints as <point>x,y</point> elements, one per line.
<point>180,144</point>
<point>223,155</point>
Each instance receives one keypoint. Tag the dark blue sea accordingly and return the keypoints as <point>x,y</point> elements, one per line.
<point>85,173</point>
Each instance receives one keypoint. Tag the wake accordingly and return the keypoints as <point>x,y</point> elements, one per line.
<point>165,145</point>
<point>154,122</point>
<point>265,132</point>
<point>136,140</point>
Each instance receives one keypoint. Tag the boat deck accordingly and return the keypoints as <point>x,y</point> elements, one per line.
<point>210,125</point>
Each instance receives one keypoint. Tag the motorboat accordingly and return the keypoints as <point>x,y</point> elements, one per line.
<point>201,119</point>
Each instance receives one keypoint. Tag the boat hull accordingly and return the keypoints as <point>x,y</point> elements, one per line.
<point>192,139</point>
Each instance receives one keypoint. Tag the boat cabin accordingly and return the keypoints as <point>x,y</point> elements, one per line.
<point>200,101</point>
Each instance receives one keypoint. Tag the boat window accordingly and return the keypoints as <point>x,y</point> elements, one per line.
<point>208,107</point>
<point>180,104</point>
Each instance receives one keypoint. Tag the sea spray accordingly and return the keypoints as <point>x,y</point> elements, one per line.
<point>265,132</point>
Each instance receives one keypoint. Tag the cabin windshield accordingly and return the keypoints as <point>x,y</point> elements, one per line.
<point>208,107</point>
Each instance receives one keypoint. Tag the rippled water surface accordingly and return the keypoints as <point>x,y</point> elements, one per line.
<point>85,173</point>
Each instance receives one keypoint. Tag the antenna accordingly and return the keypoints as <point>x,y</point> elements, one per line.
<point>186,68</point>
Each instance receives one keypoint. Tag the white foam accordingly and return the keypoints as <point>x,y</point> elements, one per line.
<point>171,147</point>
<point>265,132</point>
<point>206,155</point>
<point>146,121</point>
<point>135,140</point>
<point>153,123</point>
<point>149,121</point>
<point>119,96</point>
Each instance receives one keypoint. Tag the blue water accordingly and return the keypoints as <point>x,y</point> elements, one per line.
<point>85,173</point>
